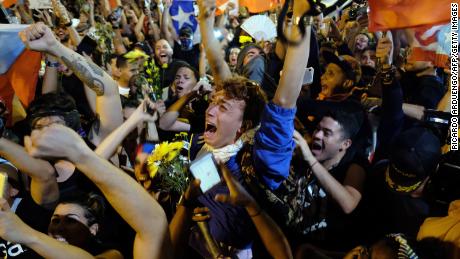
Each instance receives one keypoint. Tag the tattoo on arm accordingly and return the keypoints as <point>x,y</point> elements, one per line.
<point>80,67</point>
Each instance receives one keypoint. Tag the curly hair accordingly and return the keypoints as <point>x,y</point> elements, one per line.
<point>58,104</point>
<point>241,88</point>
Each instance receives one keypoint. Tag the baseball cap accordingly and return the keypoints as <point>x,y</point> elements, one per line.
<point>349,65</point>
<point>415,154</point>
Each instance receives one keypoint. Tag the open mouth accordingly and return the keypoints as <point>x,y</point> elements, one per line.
<point>316,147</point>
<point>163,57</point>
<point>179,88</point>
<point>60,239</point>
<point>210,130</point>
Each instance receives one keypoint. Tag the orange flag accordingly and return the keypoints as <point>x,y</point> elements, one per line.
<point>8,3</point>
<point>258,6</point>
<point>21,79</point>
<point>113,4</point>
<point>394,14</point>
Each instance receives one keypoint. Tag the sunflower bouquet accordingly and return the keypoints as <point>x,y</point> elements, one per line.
<point>168,166</point>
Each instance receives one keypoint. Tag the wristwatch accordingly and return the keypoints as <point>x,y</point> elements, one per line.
<point>51,64</point>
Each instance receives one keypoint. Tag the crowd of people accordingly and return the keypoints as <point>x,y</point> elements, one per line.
<point>334,147</point>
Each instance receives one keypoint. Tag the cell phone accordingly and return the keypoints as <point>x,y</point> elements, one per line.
<point>116,15</point>
<point>218,35</point>
<point>308,76</point>
<point>206,171</point>
<point>87,45</point>
<point>3,184</point>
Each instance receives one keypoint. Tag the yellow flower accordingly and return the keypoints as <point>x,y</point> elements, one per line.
<point>175,146</point>
<point>160,151</point>
<point>171,156</point>
<point>245,39</point>
<point>153,169</point>
<point>165,65</point>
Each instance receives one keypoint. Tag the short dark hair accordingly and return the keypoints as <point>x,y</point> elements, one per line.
<point>122,62</point>
<point>241,88</point>
<point>54,104</point>
<point>350,122</point>
<point>93,205</point>
<point>180,64</point>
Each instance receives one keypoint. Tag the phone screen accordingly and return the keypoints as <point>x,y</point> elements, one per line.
<point>308,76</point>
<point>206,171</point>
<point>3,183</point>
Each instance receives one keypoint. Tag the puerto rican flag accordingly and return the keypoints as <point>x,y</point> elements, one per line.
<point>183,14</point>
<point>19,67</point>
<point>430,43</point>
<point>396,14</point>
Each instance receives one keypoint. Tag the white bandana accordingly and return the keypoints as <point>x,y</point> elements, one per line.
<point>123,91</point>
<point>223,154</point>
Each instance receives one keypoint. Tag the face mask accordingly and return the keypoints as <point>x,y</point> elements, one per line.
<point>186,43</point>
<point>74,232</point>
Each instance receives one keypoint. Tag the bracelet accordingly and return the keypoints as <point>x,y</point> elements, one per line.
<point>311,166</point>
<point>51,64</point>
<point>257,213</point>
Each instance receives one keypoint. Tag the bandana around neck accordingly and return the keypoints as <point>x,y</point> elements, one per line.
<point>223,154</point>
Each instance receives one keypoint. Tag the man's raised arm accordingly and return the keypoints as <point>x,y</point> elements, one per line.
<point>295,62</point>
<point>135,205</point>
<point>40,38</point>
<point>219,67</point>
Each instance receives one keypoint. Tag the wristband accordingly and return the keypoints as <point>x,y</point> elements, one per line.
<point>51,64</point>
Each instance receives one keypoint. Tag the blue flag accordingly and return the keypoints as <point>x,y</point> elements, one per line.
<point>183,14</point>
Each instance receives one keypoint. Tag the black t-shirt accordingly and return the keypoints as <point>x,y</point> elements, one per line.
<point>75,88</point>
<point>167,74</point>
<point>195,114</point>
<point>191,56</point>
<point>325,224</point>
<point>36,217</point>
<point>424,90</point>
<point>78,182</point>
<point>390,212</point>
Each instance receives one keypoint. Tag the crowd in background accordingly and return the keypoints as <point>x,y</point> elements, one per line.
<point>336,146</point>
